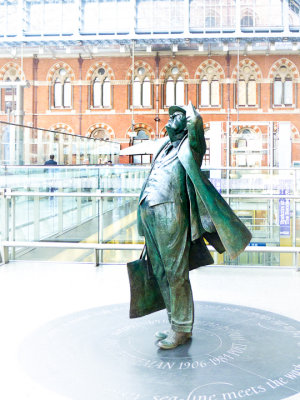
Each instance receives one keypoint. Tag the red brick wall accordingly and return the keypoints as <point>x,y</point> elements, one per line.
<point>120,119</point>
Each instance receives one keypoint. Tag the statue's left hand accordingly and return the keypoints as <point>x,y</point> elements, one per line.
<point>196,132</point>
<point>192,116</point>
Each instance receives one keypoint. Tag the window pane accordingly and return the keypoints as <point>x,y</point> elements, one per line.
<point>177,15</point>
<point>146,92</point>
<point>179,92</point>
<point>288,92</point>
<point>251,93</point>
<point>144,16</point>
<point>137,92</point>
<point>215,97</point>
<point>67,94</point>
<point>106,93</point>
<point>57,94</point>
<point>107,16</point>
<point>161,15</point>
<point>97,93</point>
<point>197,14</point>
<point>170,100</point>
<point>35,17</point>
<point>11,20</point>
<point>204,93</point>
<point>123,16</point>
<point>52,17</point>
<point>241,95</point>
<point>69,23</point>
<point>277,92</point>
<point>90,16</point>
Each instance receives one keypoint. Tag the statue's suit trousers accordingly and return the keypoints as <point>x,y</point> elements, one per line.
<point>166,227</point>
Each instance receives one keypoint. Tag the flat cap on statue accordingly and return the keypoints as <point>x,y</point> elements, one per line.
<point>174,109</point>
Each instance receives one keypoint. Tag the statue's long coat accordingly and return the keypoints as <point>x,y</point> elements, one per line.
<point>210,215</point>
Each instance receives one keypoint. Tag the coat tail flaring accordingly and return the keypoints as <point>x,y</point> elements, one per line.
<point>234,235</point>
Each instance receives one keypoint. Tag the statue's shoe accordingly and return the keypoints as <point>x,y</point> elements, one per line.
<point>174,339</point>
<point>162,334</point>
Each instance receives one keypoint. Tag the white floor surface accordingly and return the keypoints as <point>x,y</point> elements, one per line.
<point>34,293</point>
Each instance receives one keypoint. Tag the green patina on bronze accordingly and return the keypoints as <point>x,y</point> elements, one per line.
<point>178,209</point>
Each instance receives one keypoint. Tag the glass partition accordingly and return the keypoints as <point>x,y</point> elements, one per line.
<point>97,204</point>
<point>21,145</point>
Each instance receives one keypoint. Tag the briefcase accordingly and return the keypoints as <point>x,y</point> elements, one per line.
<point>145,295</point>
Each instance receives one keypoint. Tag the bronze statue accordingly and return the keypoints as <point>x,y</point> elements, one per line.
<point>178,209</point>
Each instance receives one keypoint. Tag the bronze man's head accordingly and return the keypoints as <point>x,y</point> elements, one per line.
<point>176,126</point>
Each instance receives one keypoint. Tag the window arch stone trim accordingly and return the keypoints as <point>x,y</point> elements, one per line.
<point>256,129</point>
<point>295,135</point>
<point>6,67</point>
<point>95,67</point>
<point>61,125</point>
<point>255,70</point>
<point>138,64</point>
<point>182,70</point>
<point>108,129</point>
<point>141,125</point>
<point>293,70</point>
<point>57,66</point>
<point>202,70</point>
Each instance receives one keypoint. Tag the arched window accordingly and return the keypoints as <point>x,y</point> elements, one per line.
<point>170,97</point>
<point>137,100</point>
<point>179,92</point>
<point>247,20</point>
<point>174,88</point>
<point>283,92</point>
<point>57,87</point>
<point>62,89</point>
<point>8,96</point>
<point>100,133</point>
<point>209,86</point>
<point>209,93</point>
<point>141,90</point>
<point>106,93</point>
<point>246,90</point>
<point>141,136</point>
<point>100,89</point>
<point>146,92</point>
<point>97,92</point>
<point>247,148</point>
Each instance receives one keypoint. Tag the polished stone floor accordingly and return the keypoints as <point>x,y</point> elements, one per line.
<point>65,335</point>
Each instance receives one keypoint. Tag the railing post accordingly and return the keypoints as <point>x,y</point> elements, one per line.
<point>60,213</point>
<point>96,257</point>
<point>13,224</point>
<point>5,222</point>
<point>78,199</point>
<point>36,218</point>
<point>4,255</point>
<point>100,233</point>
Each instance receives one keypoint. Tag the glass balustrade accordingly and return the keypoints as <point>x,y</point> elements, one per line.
<point>97,204</point>
<point>21,145</point>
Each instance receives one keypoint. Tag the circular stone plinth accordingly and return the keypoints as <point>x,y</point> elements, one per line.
<point>236,353</point>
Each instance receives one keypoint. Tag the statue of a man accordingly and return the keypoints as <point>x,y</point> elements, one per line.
<point>178,209</point>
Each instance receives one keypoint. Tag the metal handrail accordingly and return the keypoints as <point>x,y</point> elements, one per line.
<point>4,245</point>
<point>98,193</point>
